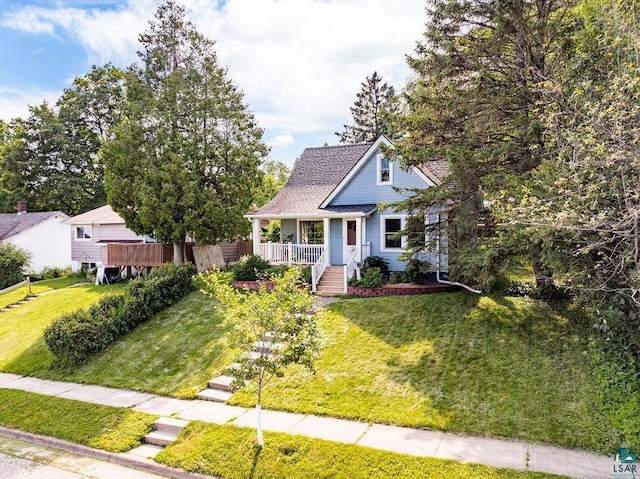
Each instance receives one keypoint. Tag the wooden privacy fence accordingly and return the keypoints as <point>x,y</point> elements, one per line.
<point>139,254</point>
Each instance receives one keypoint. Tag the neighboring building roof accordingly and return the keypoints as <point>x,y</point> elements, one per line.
<point>436,170</point>
<point>100,216</point>
<point>11,223</point>
<point>317,174</point>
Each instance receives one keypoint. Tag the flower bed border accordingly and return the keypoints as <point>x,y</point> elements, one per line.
<point>392,290</point>
<point>255,285</point>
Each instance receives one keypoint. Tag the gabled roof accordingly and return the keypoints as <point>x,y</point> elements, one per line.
<point>100,216</point>
<point>11,223</point>
<point>315,175</point>
<point>321,173</point>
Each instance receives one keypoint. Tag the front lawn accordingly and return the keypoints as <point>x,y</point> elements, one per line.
<point>37,287</point>
<point>22,346</point>
<point>230,452</point>
<point>174,353</point>
<point>507,367</point>
<point>497,366</point>
<point>104,427</point>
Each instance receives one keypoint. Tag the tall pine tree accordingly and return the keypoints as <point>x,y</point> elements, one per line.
<point>374,104</point>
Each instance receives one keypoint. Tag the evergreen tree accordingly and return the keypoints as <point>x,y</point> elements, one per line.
<point>185,160</point>
<point>374,104</point>
<point>476,102</point>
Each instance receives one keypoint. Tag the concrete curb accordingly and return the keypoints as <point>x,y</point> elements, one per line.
<point>122,459</point>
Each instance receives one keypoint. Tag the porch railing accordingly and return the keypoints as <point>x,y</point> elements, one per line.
<point>317,270</point>
<point>351,267</point>
<point>289,253</point>
<point>366,251</point>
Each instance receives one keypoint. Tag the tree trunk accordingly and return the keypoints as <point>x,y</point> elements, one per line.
<point>259,415</point>
<point>178,252</point>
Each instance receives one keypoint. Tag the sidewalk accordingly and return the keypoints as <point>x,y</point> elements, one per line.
<point>417,442</point>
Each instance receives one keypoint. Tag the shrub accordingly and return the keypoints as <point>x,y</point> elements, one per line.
<point>418,271</point>
<point>306,274</point>
<point>50,272</point>
<point>372,278</point>
<point>399,277</point>
<point>376,262</point>
<point>13,262</point>
<point>250,268</point>
<point>75,337</point>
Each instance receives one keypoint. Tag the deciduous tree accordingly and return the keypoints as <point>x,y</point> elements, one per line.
<point>272,329</point>
<point>51,158</point>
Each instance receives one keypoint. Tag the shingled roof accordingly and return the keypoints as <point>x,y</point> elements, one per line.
<point>11,223</point>
<point>317,173</point>
<point>99,216</point>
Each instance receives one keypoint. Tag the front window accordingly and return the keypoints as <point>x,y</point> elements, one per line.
<point>391,226</point>
<point>83,232</point>
<point>312,232</point>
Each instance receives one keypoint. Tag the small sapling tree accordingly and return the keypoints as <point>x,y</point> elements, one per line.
<point>271,328</point>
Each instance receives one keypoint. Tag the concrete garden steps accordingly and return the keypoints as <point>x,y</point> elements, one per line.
<point>219,389</point>
<point>167,431</point>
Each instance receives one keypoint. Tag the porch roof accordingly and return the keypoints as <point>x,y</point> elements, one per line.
<point>330,212</point>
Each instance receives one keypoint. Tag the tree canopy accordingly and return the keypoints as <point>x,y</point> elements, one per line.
<point>50,159</point>
<point>476,102</point>
<point>185,159</point>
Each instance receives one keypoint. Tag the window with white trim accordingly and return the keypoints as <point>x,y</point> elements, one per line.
<point>83,233</point>
<point>312,232</point>
<point>385,171</point>
<point>390,227</point>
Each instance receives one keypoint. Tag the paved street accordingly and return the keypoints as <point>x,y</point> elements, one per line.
<point>23,460</point>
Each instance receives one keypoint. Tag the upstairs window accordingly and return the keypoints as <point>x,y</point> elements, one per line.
<point>83,233</point>
<point>385,171</point>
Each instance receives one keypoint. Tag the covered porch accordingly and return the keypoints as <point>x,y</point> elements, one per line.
<point>337,240</point>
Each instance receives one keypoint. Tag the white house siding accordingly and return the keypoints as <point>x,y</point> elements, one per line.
<point>48,242</point>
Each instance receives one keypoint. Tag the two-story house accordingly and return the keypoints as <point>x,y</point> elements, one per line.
<point>330,210</point>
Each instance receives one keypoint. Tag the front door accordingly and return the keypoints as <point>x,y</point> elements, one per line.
<point>350,239</point>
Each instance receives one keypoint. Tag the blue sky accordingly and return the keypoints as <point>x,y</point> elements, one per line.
<point>299,62</point>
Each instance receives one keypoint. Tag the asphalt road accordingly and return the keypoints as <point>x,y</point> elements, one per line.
<point>23,460</point>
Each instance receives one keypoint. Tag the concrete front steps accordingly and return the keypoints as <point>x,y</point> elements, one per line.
<point>331,281</point>
<point>167,431</point>
<point>219,389</point>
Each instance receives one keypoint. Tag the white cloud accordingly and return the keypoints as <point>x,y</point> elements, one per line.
<point>15,103</point>
<point>299,62</point>
<point>281,141</point>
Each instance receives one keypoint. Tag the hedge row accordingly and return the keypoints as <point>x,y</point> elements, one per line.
<point>75,337</point>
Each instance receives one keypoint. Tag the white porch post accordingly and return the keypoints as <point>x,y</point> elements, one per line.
<point>256,236</point>
<point>327,240</point>
<point>359,237</point>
